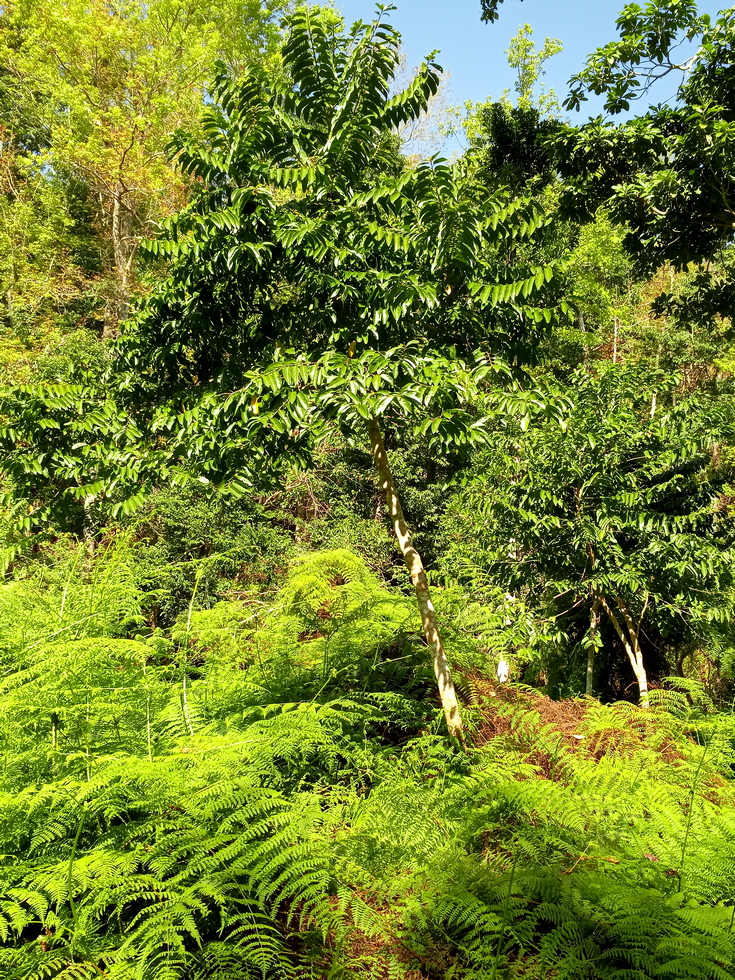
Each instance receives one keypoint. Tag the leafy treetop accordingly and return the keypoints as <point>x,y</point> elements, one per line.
<point>668,174</point>
<point>311,240</point>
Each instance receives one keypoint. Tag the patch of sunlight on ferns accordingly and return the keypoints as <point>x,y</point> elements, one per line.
<point>80,596</point>
<point>150,857</point>
<point>480,633</point>
<point>339,610</point>
<point>160,845</point>
<point>74,701</point>
<point>267,805</point>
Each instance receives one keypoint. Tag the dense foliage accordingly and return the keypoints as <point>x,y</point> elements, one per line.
<point>368,598</point>
<point>264,793</point>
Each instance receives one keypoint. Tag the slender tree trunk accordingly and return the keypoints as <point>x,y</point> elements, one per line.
<point>629,639</point>
<point>87,524</point>
<point>615,340</point>
<point>124,246</point>
<point>594,626</point>
<point>415,568</point>
<point>642,679</point>
<point>637,658</point>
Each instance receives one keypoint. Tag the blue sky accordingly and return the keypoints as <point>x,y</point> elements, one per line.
<point>473,52</point>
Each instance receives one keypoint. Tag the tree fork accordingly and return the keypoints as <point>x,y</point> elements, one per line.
<point>631,646</point>
<point>415,567</point>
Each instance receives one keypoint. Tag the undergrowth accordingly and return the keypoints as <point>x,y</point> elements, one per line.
<point>265,793</point>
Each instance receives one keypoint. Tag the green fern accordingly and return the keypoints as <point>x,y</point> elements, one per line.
<point>274,804</point>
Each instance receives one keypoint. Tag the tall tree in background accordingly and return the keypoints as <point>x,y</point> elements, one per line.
<point>508,137</point>
<point>49,254</point>
<point>528,62</point>
<point>104,84</point>
<point>668,175</point>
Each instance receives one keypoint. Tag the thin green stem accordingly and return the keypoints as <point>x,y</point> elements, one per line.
<point>506,905</point>
<point>70,873</point>
<point>690,815</point>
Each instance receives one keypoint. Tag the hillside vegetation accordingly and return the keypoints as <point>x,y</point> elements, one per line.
<point>366,521</point>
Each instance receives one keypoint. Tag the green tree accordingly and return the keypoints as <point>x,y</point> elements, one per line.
<point>107,83</point>
<point>528,61</point>
<point>315,278</point>
<point>49,259</point>
<point>490,9</point>
<point>600,278</point>
<point>622,512</point>
<point>666,175</point>
<point>507,138</point>
<point>49,251</point>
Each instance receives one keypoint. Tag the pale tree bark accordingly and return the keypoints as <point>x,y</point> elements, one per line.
<point>415,567</point>
<point>628,633</point>
<point>124,247</point>
<point>87,524</point>
<point>594,626</point>
<point>615,340</point>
